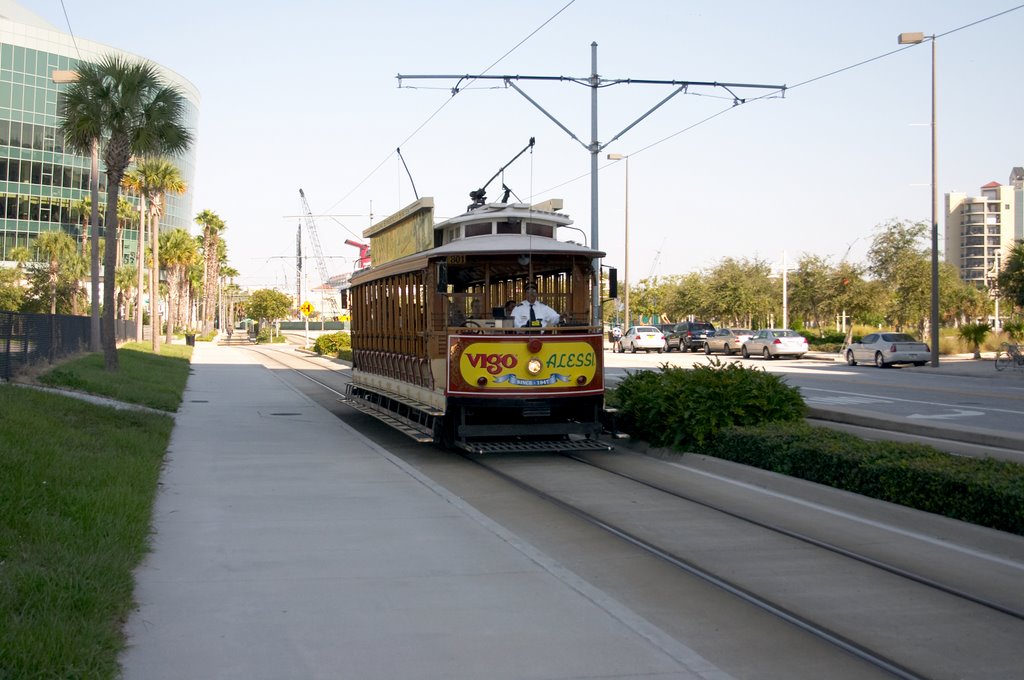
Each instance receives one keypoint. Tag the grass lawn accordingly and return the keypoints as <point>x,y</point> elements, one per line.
<point>77,484</point>
<point>143,378</point>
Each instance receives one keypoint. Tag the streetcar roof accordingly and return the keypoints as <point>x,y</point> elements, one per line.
<point>512,243</point>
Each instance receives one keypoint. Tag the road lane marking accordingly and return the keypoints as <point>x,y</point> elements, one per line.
<point>944,416</point>
<point>913,401</point>
<point>845,400</point>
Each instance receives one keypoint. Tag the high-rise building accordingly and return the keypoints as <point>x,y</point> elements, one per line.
<point>40,179</point>
<point>981,230</point>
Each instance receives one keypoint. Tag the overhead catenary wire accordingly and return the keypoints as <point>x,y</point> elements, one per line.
<point>447,102</point>
<point>769,95</point>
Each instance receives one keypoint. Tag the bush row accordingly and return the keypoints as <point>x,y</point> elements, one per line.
<point>679,407</point>
<point>752,417</point>
<point>982,491</point>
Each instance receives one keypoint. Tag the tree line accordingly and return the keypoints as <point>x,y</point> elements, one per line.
<point>892,288</point>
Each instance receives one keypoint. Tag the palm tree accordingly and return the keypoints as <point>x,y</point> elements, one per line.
<point>58,248</point>
<point>126,275</point>
<point>127,106</point>
<point>177,252</point>
<point>974,334</point>
<point>126,216</point>
<point>155,177</point>
<point>212,225</point>
<point>228,290</point>
<point>132,181</point>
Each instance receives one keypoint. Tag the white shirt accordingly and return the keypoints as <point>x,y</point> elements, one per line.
<point>541,312</point>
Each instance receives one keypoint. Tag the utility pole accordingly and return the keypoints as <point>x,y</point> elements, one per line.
<point>594,82</point>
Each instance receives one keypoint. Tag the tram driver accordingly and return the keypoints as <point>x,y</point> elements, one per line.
<point>532,313</point>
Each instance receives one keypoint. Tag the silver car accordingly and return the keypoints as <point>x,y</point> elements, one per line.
<point>726,340</point>
<point>886,349</point>
<point>775,342</point>
<point>646,338</point>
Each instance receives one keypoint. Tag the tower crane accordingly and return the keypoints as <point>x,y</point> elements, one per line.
<point>318,253</point>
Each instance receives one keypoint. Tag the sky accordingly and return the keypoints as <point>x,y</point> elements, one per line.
<point>303,94</point>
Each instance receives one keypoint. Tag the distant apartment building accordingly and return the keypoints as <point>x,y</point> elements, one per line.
<point>981,230</point>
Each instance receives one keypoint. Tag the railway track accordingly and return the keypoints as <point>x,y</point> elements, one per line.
<point>891,592</point>
<point>927,609</point>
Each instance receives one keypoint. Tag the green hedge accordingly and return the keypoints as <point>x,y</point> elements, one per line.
<point>682,407</point>
<point>752,417</point>
<point>333,344</point>
<point>982,491</point>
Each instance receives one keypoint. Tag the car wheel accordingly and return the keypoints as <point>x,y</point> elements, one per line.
<point>849,358</point>
<point>707,348</point>
<point>728,351</point>
<point>660,350</point>
<point>766,354</point>
<point>879,361</point>
<point>799,356</point>
<point>632,348</point>
<point>744,352</point>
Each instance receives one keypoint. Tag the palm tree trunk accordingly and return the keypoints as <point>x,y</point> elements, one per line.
<point>108,335</point>
<point>94,256</point>
<point>140,265</point>
<point>154,293</point>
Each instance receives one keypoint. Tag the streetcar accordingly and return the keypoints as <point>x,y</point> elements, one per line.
<point>435,351</point>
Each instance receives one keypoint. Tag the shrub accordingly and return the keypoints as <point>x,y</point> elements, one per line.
<point>982,491</point>
<point>1014,329</point>
<point>974,334</point>
<point>332,344</point>
<point>679,407</point>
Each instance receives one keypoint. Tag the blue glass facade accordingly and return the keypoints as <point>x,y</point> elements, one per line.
<point>40,180</point>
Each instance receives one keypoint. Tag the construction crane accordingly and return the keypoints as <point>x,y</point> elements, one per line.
<point>318,253</point>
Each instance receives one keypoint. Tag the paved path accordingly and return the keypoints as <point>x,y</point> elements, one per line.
<point>334,559</point>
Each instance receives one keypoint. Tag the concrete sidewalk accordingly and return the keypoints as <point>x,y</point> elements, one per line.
<point>287,545</point>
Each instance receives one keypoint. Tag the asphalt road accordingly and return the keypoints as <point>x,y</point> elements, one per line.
<point>962,399</point>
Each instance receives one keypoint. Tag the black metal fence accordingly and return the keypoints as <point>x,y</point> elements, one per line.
<point>30,339</point>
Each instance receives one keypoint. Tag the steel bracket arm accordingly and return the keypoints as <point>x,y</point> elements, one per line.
<point>542,110</point>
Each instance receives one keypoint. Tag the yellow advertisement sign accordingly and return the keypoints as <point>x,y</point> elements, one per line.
<point>511,365</point>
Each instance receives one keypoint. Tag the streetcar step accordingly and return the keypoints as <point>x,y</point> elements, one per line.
<point>408,428</point>
<point>539,446</point>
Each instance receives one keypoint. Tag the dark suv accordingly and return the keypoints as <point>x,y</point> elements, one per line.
<point>688,336</point>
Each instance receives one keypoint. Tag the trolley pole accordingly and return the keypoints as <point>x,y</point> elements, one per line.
<point>595,81</point>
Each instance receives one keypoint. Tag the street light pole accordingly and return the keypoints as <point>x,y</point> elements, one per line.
<point>933,322</point>
<point>625,282</point>
<point>785,291</point>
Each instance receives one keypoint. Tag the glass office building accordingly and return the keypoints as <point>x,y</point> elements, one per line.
<point>40,180</point>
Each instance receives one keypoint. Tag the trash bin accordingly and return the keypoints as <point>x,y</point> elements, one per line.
<point>190,339</point>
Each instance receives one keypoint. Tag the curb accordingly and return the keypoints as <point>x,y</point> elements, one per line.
<point>964,433</point>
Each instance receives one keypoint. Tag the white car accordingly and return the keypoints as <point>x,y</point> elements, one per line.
<point>886,349</point>
<point>775,342</point>
<point>646,338</point>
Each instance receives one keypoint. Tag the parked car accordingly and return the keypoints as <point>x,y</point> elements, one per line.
<point>646,338</point>
<point>774,342</point>
<point>886,349</point>
<point>688,336</point>
<point>726,340</point>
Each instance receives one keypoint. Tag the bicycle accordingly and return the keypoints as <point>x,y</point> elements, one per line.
<point>1009,355</point>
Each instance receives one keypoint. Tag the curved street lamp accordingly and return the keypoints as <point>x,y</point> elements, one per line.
<point>933,321</point>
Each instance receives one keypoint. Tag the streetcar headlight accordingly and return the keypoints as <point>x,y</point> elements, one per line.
<point>533,366</point>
